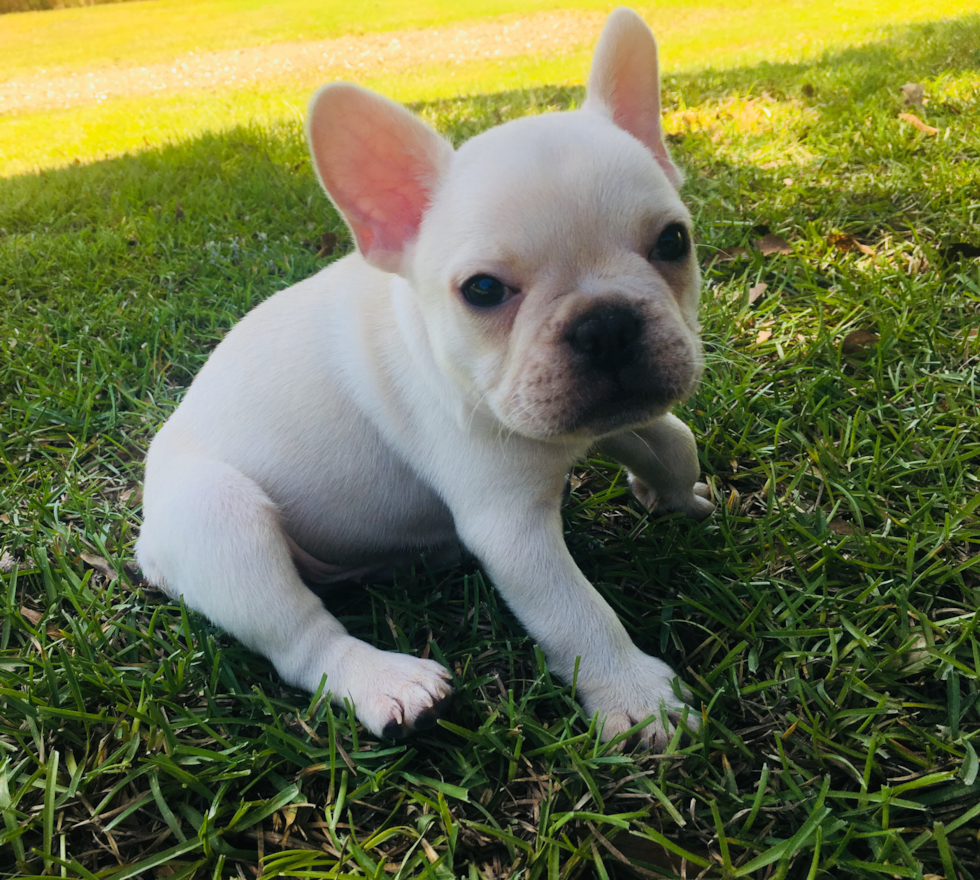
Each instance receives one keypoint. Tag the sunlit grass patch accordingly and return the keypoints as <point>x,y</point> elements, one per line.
<point>694,36</point>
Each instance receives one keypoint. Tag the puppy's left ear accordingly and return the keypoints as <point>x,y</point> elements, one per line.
<point>624,84</point>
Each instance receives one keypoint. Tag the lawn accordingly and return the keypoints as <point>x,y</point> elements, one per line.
<point>825,617</point>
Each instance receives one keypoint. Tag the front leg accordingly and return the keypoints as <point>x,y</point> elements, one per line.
<point>523,551</point>
<point>662,460</point>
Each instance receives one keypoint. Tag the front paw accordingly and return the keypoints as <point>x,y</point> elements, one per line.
<point>395,694</point>
<point>695,504</point>
<point>642,689</point>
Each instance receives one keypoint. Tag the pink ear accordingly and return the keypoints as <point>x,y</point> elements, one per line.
<point>379,164</point>
<point>624,84</point>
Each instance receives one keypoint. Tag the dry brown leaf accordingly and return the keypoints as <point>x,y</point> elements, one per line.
<point>134,574</point>
<point>31,615</point>
<point>858,340</point>
<point>328,243</point>
<point>773,244</point>
<point>723,255</point>
<point>846,242</point>
<point>839,527</point>
<point>430,852</point>
<point>756,290</point>
<point>763,336</point>
<point>912,119</point>
<point>914,93</point>
<point>100,564</point>
<point>5,518</point>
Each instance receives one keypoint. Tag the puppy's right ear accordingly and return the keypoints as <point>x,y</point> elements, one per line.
<point>380,166</point>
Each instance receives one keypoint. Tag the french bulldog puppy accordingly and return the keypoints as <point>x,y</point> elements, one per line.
<point>511,305</point>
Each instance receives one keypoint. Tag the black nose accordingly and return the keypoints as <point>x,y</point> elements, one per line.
<point>607,336</point>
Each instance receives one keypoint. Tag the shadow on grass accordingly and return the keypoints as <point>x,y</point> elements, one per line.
<point>870,72</point>
<point>155,255</point>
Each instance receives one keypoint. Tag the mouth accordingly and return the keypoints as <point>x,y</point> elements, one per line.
<point>600,385</point>
<point>614,409</point>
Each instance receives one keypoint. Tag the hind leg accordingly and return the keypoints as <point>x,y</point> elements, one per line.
<point>214,537</point>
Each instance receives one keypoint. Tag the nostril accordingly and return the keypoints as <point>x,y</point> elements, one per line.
<point>621,327</point>
<point>587,336</point>
<point>606,335</point>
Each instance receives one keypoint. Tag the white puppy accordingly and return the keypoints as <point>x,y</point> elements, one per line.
<point>512,304</point>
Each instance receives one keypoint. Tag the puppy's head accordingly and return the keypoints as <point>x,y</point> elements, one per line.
<point>551,256</point>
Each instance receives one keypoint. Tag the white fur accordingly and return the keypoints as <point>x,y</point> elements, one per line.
<point>370,413</point>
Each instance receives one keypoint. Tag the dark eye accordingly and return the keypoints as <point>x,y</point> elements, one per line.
<point>673,244</point>
<point>484,290</point>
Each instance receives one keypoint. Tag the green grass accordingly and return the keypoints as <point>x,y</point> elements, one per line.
<point>826,617</point>
<point>693,35</point>
<point>158,30</point>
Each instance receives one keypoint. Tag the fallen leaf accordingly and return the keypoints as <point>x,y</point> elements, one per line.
<point>430,852</point>
<point>858,340</point>
<point>756,290</point>
<point>328,243</point>
<point>29,614</point>
<point>134,574</point>
<point>914,93</point>
<point>912,119</point>
<point>773,244</point>
<point>846,242</point>
<point>4,518</point>
<point>100,564</point>
<point>839,527</point>
<point>763,336</point>
<point>723,255</point>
